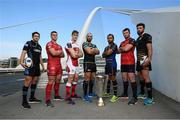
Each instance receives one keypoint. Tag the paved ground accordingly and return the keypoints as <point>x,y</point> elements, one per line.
<point>163,108</point>
<point>10,83</point>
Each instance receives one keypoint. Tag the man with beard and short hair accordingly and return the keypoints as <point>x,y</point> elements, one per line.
<point>90,50</point>
<point>111,67</point>
<point>128,66</point>
<point>144,58</point>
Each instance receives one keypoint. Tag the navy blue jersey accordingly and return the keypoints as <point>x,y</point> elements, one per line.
<point>111,59</point>
<point>33,51</point>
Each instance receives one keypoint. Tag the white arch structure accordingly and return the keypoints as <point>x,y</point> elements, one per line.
<point>93,13</point>
<point>163,25</point>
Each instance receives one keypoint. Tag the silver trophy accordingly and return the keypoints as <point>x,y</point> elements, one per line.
<point>100,80</point>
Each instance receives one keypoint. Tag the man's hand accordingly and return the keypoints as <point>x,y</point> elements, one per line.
<point>146,62</point>
<point>113,47</point>
<point>24,65</point>
<point>120,49</point>
<point>69,45</point>
<point>107,48</point>
<point>44,70</point>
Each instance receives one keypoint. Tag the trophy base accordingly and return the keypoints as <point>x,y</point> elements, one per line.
<point>100,102</point>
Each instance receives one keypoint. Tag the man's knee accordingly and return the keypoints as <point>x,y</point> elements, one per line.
<point>27,81</point>
<point>58,78</point>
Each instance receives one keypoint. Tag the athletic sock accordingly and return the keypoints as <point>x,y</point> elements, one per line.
<point>115,87</point>
<point>108,86</point>
<point>56,88</point>
<point>68,88</point>
<point>91,84</point>
<point>74,84</point>
<point>125,84</point>
<point>24,92</point>
<point>48,91</point>
<point>85,87</point>
<point>33,88</point>
<point>142,85</point>
<point>149,89</point>
<point>134,89</point>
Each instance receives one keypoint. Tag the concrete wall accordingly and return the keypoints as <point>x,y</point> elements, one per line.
<point>165,30</point>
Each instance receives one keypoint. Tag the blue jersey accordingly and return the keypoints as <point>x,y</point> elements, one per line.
<point>111,59</point>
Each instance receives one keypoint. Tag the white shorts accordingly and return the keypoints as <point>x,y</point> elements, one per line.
<point>72,69</point>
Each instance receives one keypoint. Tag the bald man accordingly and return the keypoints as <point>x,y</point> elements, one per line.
<point>90,51</point>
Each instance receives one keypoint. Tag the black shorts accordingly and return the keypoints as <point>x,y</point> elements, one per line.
<point>128,68</point>
<point>140,67</point>
<point>110,70</point>
<point>33,71</point>
<point>89,67</point>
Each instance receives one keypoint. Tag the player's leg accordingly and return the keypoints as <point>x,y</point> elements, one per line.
<point>141,95</point>
<point>68,89</point>
<point>71,71</point>
<point>74,86</point>
<point>57,84</point>
<point>57,87</point>
<point>108,87</point>
<point>115,97</point>
<point>51,79</point>
<point>131,76</point>
<point>91,84</point>
<point>32,98</point>
<point>27,82</point>
<point>125,85</point>
<point>124,76</point>
<point>149,99</point>
<point>85,86</point>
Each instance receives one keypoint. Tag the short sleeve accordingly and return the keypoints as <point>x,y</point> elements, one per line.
<point>120,44</point>
<point>49,45</point>
<point>132,41</point>
<point>114,48</point>
<point>94,46</point>
<point>26,46</point>
<point>84,45</point>
<point>106,48</point>
<point>148,38</point>
<point>68,45</point>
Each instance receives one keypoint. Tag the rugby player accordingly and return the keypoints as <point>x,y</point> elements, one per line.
<point>128,66</point>
<point>33,50</point>
<point>73,54</point>
<point>144,48</point>
<point>54,68</point>
<point>111,67</point>
<point>90,51</point>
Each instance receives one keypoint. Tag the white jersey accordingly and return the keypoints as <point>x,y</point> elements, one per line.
<point>72,63</point>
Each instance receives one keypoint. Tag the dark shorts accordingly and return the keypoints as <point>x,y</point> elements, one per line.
<point>89,67</point>
<point>128,68</point>
<point>110,70</point>
<point>33,71</point>
<point>140,67</point>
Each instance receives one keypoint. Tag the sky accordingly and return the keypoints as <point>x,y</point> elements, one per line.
<point>64,16</point>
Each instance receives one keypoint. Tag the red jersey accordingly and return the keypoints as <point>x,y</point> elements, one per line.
<point>53,60</point>
<point>127,58</point>
<point>72,61</point>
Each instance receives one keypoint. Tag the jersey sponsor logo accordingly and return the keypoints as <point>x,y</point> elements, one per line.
<point>37,50</point>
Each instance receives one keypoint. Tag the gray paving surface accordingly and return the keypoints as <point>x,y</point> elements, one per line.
<point>163,108</point>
